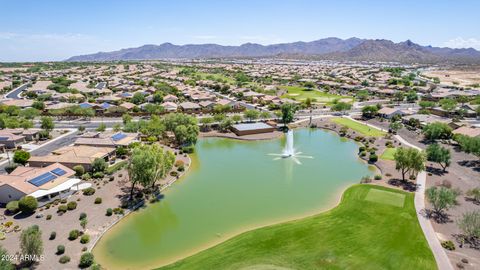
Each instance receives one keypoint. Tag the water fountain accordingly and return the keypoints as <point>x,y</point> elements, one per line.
<point>289,150</point>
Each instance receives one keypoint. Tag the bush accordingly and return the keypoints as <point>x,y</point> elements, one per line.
<point>179,163</point>
<point>79,170</point>
<point>60,249</point>
<point>98,200</point>
<point>85,239</point>
<point>449,245</point>
<point>363,153</point>
<point>62,208</point>
<point>86,260</point>
<point>27,204</point>
<point>86,176</point>
<point>174,173</point>
<point>362,148</point>
<point>64,259</point>
<point>82,216</point>
<point>378,177</point>
<point>188,149</point>
<point>98,175</point>
<point>88,191</point>
<point>73,235</point>
<point>181,168</point>
<point>373,158</point>
<point>71,205</point>
<point>12,207</point>
<point>365,179</point>
<point>118,211</point>
<point>49,217</point>
<point>109,212</point>
<point>53,235</point>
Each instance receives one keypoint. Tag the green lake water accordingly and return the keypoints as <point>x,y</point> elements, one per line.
<point>233,186</point>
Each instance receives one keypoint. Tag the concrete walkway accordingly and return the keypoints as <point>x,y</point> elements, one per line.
<point>439,253</point>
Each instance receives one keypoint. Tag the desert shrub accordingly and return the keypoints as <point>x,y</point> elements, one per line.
<point>378,177</point>
<point>12,207</point>
<point>118,211</point>
<point>181,168</point>
<point>62,208</point>
<point>86,260</point>
<point>365,179</point>
<point>98,200</point>
<point>373,158</point>
<point>71,205</point>
<point>174,173</point>
<point>73,235</point>
<point>63,201</point>
<point>79,170</point>
<point>53,235</point>
<point>88,191</point>
<point>60,249</point>
<point>85,239</point>
<point>86,176</point>
<point>179,163</point>
<point>27,204</point>
<point>49,217</point>
<point>362,148</point>
<point>64,259</point>
<point>98,175</point>
<point>188,149</point>
<point>82,216</point>
<point>363,153</point>
<point>109,212</point>
<point>449,245</point>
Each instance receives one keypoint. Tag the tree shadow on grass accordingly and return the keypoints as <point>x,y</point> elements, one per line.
<point>405,185</point>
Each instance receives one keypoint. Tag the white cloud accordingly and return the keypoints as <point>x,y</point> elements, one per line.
<point>460,42</point>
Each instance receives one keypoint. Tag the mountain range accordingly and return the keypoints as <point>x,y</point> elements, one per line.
<point>352,49</point>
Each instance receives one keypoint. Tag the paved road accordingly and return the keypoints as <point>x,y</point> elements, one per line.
<point>14,94</point>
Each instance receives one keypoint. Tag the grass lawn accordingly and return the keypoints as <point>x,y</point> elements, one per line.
<point>388,154</point>
<point>359,127</point>
<point>302,93</point>
<point>372,228</point>
<point>215,77</point>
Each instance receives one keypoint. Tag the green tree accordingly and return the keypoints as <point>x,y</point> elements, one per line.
<point>265,115</point>
<point>206,122</point>
<point>101,128</point>
<point>21,157</point>
<point>251,115</point>
<point>27,204</point>
<point>183,126</point>
<point>46,123</point>
<point>468,144</point>
<point>99,165</point>
<point>370,111</point>
<point>83,223</point>
<point>288,112</point>
<point>138,98</point>
<point>237,118</point>
<point>341,106</point>
<point>86,260</point>
<point>409,160</point>
<point>441,198</point>
<point>226,124</point>
<point>439,154</point>
<point>412,96</point>
<point>31,243</point>
<point>448,104</point>
<point>127,118</point>
<point>436,131</point>
<point>395,126</point>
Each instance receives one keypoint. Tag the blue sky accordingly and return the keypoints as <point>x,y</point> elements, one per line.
<point>54,30</point>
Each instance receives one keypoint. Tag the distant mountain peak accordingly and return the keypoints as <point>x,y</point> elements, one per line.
<point>354,49</point>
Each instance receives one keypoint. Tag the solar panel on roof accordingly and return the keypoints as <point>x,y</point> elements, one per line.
<point>3,138</point>
<point>42,179</point>
<point>118,136</point>
<point>58,171</point>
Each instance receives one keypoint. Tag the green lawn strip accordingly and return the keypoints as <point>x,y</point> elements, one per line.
<point>388,154</point>
<point>357,234</point>
<point>358,127</point>
<point>302,93</point>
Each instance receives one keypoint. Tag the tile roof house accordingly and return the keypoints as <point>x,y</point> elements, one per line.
<point>71,156</point>
<point>108,140</point>
<point>41,183</point>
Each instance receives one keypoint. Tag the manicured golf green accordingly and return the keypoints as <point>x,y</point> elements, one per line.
<point>302,93</point>
<point>372,228</point>
<point>234,186</point>
<point>388,154</point>
<point>358,127</point>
